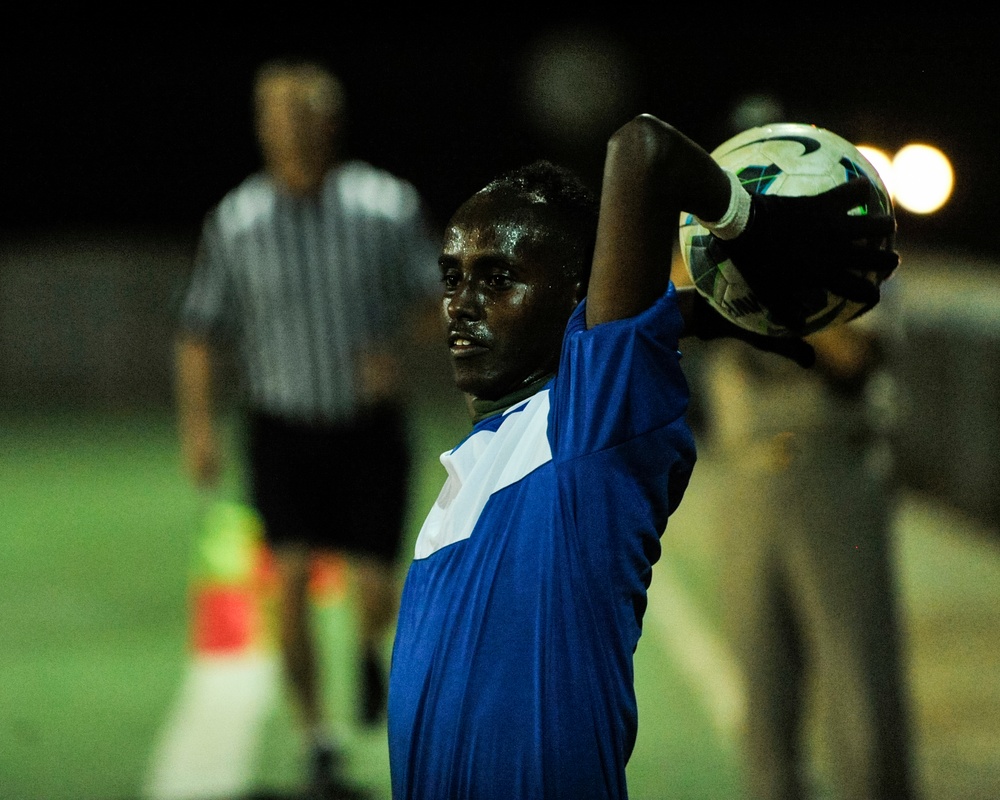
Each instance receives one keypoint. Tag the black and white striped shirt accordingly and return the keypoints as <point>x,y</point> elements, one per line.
<point>304,284</point>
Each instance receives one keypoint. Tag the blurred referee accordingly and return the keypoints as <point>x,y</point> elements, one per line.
<point>309,267</point>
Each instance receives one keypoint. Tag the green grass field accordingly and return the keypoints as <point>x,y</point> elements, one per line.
<point>99,527</point>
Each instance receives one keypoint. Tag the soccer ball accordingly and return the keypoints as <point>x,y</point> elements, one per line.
<point>787,158</point>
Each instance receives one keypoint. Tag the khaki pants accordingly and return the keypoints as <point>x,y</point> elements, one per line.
<point>811,609</point>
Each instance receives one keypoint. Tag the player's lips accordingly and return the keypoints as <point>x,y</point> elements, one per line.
<point>463,345</point>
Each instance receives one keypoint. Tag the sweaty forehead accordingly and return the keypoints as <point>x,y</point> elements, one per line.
<point>503,237</point>
<point>492,221</point>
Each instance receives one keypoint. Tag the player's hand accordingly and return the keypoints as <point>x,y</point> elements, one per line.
<point>796,247</point>
<point>706,323</point>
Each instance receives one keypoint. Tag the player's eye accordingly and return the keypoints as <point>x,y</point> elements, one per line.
<point>499,280</point>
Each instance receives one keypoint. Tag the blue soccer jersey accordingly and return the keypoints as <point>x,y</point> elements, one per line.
<point>512,667</point>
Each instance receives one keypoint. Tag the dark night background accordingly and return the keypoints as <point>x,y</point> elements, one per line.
<point>120,127</point>
<point>129,125</point>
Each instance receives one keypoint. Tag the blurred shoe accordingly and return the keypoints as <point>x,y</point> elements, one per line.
<point>373,690</point>
<point>326,779</point>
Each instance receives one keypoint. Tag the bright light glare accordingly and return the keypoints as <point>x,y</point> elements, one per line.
<point>922,178</point>
<point>882,163</point>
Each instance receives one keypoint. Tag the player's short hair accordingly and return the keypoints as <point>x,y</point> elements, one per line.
<point>568,206</point>
<point>324,90</point>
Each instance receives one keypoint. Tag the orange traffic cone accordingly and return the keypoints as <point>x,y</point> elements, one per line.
<point>228,582</point>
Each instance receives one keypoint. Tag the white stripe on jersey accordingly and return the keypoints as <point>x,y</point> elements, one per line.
<point>482,465</point>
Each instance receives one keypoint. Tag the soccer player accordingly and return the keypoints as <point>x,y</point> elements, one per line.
<point>311,267</point>
<point>511,673</point>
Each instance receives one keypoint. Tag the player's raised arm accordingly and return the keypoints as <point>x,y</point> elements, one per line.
<point>785,247</point>
<point>651,173</point>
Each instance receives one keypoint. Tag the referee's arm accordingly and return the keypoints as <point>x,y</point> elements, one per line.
<point>200,446</point>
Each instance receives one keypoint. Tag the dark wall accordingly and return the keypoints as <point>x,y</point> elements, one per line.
<point>86,318</point>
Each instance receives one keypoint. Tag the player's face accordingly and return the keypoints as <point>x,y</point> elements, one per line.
<point>506,300</point>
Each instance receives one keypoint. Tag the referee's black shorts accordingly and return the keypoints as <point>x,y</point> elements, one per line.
<point>340,487</point>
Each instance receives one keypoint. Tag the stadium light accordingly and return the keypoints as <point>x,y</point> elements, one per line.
<point>919,177</point>
<point>882,162</point>
<point>923,178</point>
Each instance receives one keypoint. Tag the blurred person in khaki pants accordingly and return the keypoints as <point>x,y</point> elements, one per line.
<point>808,563</point>
<point>807,559</point>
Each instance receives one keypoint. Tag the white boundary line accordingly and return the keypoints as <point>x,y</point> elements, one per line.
<point>709,666</point>
<point>211,737</point>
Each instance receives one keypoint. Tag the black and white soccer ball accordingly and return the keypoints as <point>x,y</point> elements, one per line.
<point>791,159</point>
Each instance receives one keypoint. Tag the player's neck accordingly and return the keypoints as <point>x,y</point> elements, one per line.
<point>481,409</point>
